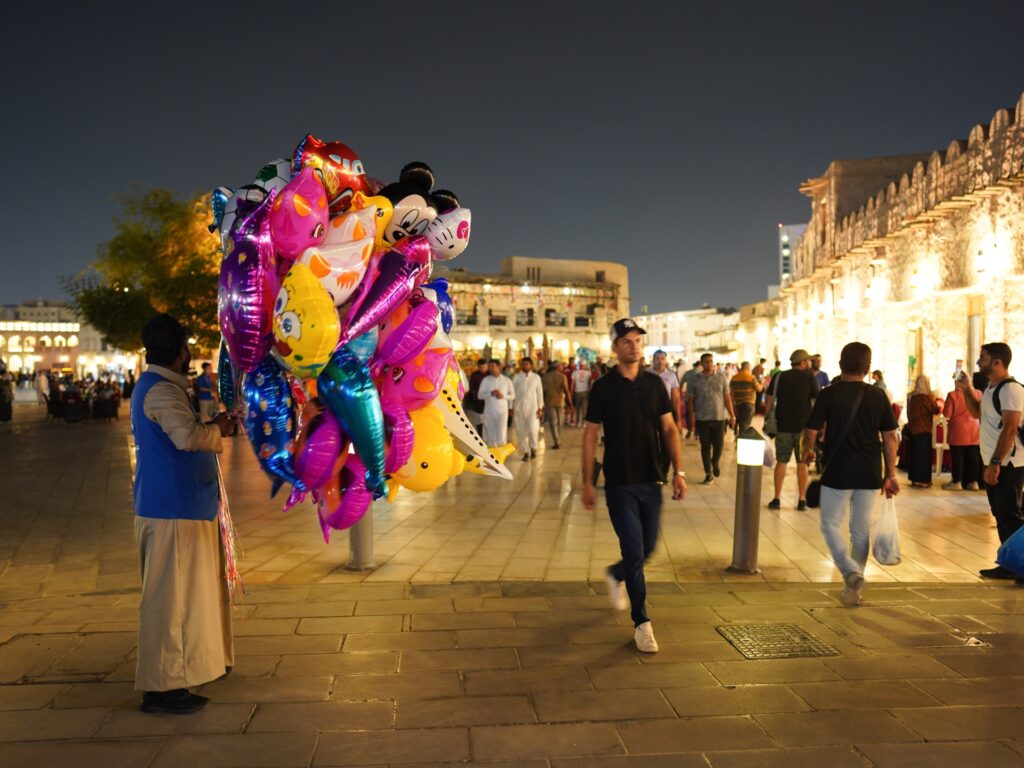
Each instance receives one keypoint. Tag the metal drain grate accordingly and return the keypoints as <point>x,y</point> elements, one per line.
<point>775,641</point>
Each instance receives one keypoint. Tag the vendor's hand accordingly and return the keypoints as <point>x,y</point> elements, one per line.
<point>223,421</point>
<point>991,474</point>
<point>678,488</point>
<point>890,487</point>
<point>540,413</point>
<point>589,496</point>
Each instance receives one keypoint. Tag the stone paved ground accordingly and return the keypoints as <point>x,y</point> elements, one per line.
<point>498,668</point>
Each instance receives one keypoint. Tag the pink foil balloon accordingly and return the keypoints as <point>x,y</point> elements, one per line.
<point>417,249</point>
<point>417,383</point>
<point>248,285</point>
<point>298,218</point>
<point>386,285</point>
<point>400,437</point>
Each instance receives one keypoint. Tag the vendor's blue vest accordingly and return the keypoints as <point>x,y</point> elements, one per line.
<point>169,483</point>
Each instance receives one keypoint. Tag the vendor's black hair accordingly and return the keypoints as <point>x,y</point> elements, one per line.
<point>163,337</point>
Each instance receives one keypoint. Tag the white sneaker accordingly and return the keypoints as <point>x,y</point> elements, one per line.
<point>951,486</point>
<point>973,487</point>
<point>854,584</point>
<point>643,636</point>
<point>616,592</point>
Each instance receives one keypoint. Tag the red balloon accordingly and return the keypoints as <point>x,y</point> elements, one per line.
<point>338,167</point>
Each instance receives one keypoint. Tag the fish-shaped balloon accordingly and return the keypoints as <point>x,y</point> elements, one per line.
<point>348,390</point>
<point>466,438</point>
<point>270,421</point>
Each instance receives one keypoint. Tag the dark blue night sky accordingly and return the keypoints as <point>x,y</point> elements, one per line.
<point>669,136</point>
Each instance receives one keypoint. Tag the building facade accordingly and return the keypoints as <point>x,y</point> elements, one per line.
<point>919,256</point>
<point>789,235</point>
<point>555,309</point>
<point>687,334</point>
<point>47,335</point>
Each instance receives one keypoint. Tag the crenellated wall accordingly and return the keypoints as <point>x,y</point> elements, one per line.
<point>933,189</point>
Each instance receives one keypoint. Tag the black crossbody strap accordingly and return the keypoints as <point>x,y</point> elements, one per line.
<point>846,429</point>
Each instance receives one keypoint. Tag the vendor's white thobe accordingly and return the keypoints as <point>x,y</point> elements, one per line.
<point>185,636</point>
<point>496,408</point>
<point>529,400</point>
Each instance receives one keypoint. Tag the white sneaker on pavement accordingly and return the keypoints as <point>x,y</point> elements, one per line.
<point>616,592</point>
<point>854,583</point>
<point>951,486</point>
<point>643,636</point>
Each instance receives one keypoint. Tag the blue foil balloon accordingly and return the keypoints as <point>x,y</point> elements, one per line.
<point>225,377</point>
<point>444,302</point>
<point>346,387</point>
<point>218,202</point>
<point>270,421</point>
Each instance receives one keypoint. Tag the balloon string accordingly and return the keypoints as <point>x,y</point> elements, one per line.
<point>229,539</point>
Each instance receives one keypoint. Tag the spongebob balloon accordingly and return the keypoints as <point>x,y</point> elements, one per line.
<point>306,326</point>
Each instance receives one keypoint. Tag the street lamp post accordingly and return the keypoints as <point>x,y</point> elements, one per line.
<point>746,528</point>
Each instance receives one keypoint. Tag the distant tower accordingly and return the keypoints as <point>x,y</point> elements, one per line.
<point>789,234</point>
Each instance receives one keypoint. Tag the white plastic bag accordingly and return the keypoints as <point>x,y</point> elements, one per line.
<point>886,548</point>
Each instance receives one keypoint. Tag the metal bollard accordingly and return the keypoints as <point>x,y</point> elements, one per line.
<point>360,544</point>
<point>747,523</point>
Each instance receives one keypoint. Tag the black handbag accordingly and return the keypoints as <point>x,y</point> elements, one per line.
<point>813,495</point>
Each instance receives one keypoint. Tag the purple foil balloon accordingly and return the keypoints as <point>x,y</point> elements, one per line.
<point>410,337</point>
<point>248,285</point>
<point>417,249</point>
<point>389,285</point>
<point>355,500</point>
<point>399,434</point>
<point>317,449</point>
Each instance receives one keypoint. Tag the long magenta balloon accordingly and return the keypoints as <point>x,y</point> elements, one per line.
<point>391,283</point>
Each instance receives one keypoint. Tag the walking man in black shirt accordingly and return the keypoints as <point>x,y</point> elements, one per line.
<point>853,468</point>
<point>636,413</point>
<point>793,394</point>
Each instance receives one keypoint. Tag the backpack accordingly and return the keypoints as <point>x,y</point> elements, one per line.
<point>999,408</point>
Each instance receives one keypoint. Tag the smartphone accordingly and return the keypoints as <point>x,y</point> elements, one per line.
<point>959,370</point>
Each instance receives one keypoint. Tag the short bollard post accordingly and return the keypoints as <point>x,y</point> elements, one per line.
<point>747,525</point>
<point>360,544</point>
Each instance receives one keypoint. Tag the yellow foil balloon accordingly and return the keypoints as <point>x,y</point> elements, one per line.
<point>382,209</point>
<point>434,458</point>
<point>306,326</point>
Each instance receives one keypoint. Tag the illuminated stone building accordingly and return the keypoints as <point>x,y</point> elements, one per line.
<point>561,305</point>
<point>42,335</point>
<point>919,256</point>
<point>687,334</point>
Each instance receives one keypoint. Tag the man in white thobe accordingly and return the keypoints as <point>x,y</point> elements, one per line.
<point>497,393</point>
<point>529,407</point>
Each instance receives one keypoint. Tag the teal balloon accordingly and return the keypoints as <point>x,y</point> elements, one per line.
<point>225,377</point>
<point>270,421</point>
<point>347,389</point>
<point>364,347</point>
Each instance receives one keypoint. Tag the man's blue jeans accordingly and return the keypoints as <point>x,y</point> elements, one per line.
<point>635,511</point>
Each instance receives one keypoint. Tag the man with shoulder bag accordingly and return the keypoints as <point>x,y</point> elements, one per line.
<point>1002,451</point>
<point>856,414</point>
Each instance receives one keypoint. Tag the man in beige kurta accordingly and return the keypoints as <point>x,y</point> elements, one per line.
<point>185,635</point>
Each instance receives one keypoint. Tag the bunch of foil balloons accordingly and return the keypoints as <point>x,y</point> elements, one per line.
<point>335,342</point>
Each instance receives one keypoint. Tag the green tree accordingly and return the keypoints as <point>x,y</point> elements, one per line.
<point>163,258</point>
